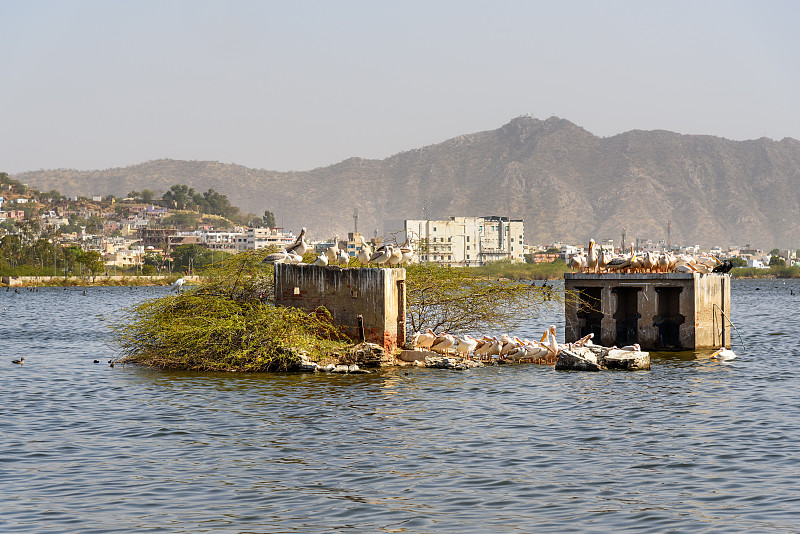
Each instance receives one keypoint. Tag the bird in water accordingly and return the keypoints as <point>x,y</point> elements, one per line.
<point>20,361</point>
<point>177,285</point>
<point>723,354</point>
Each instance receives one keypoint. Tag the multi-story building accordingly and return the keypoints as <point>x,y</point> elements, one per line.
<point>260,238</point>
<point>467,241</point>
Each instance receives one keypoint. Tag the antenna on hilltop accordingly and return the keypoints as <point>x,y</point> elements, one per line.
<point>669,234</point>
<point>622,246</point>
<point>355,220</point>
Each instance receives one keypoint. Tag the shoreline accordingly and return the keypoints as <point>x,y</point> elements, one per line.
<point>90,281</point>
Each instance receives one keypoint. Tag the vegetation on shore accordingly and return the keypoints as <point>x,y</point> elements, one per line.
<point>767,272</point>
<point>228,323</point>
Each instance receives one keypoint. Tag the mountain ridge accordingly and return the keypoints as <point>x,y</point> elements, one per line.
<point>565,182</point>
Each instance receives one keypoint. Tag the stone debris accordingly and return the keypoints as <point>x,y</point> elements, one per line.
<point>365,355</point>
<point>450,362</point>
<point>596,358</point>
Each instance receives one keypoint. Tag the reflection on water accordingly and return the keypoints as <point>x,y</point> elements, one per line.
<point>693,445</point>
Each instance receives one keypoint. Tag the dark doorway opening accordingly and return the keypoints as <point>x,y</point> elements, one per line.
<point>669,319</point>
<point>627,315</point>
<point>589,315</point>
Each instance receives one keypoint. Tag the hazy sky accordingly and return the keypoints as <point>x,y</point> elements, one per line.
<point>294,85</point>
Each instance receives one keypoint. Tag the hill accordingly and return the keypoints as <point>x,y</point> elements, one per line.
<point>565,182</point>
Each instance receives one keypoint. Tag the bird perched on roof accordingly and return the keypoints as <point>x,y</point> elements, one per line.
<point>299,246</point>
<point>322,260</point>
<point>407,252</point>
<point>333,251</point>
<point>342,257</point>
<point>381,255</point>
<point>365,252</point>
<point>591,258</point>
<point>177,285</point>
<point>724,267</point>
<point>277,257</point>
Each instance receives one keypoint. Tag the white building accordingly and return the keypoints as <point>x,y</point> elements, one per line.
<point>467,241</point>
<point>260,238</point>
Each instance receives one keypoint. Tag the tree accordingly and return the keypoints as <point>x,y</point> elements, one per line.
<point>180,197</point>
<point>456,300</point>
<point>777,261</point>
<point>736,261</point>
<point>269,219</point>
<point>147,195</point>
<point>191,257</point>
<point>92,261</point>
<point>775,252</point>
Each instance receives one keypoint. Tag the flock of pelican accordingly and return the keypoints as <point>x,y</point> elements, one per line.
<point>389,254</point>
<point>649,262</point>
<point>545,350</point>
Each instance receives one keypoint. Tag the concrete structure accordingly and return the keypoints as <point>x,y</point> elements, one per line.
<point>659,311</point>
<point>467,241</point>
<point>378,295</point>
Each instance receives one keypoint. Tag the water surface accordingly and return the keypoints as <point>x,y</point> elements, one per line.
<point>691,446</point>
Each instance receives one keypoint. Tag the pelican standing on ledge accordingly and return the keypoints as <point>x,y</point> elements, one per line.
<point>365,252</point>
<point>333,251</point>
<point>591,258</point>
<point>299,246</point>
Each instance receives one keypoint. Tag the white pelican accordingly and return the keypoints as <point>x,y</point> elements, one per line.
<point>483,346</point>
<point>663,263</point>
<point>424,341</point>
<point>552,345</point>
<point>577,262</point>
<point>634,347</point>
<point>299,246</point>
<point>322,260</point>
<point>294,258</point>
<point>443,342</point>
<point>333,251</point>
<point>508,344</point>
<point>177,285</point>
<point>365,252</point>
<point>619,263</point>
<point>408,253</point>
<point>494,347</point>
<point>396,256</point>
<point>591,258</point>
<point>649,261</point>
<point>723,354</point>
<point>342,258</point>
<point>603,260</point>
<point>381,255</point>
<point>465,345</point>
<point>277,257</point>
<point>585,340</point>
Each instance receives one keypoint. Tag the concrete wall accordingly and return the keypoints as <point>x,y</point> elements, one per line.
<point>659,311</point>
<point>376,294</point>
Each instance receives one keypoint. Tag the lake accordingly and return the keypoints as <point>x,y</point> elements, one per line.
<point>692,445</point>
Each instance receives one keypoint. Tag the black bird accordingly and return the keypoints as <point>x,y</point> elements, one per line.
<point>724,267</point>
<point>20,361</point>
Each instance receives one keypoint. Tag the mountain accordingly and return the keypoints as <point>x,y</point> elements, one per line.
<point>566,183</point>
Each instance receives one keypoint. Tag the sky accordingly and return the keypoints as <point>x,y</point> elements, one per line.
<point>295,85</point>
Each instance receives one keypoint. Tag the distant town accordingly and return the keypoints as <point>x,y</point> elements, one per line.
<point>46,233</point>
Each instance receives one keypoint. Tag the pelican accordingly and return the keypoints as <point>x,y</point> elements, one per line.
<point>342,258</point>
<point>177,285</point>
<point>577,262</point>
<point>591,258</point>
<point>552,345</point>
<point>294,258</point>
<point>602,261</point>
<point>424,341</point>
<point>723,354</point>
<point>494,348</point>
<point>299,246</point>
<point>663,263</point>
<point>620,263</point>
<point>365,252</point>
<point>649,261</point>
<point>443,342</point>
<point>277,257</point>
<point>333,250</point>
<point>635,347</point>
<point>396,257</point>
<point>408,253</point>
<point>321,261</point>
<point>465,345</point>
<point>20,361</point>
<point>483,346</point>
<point>381,255</point>
<point>585,340</point>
